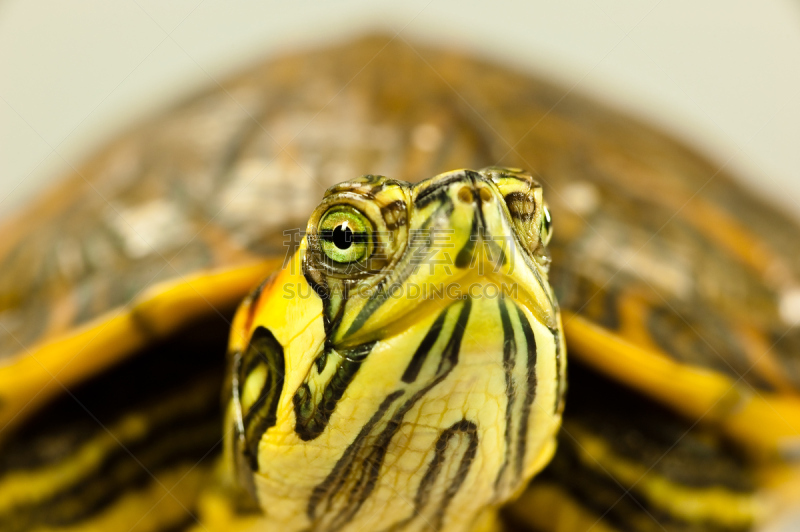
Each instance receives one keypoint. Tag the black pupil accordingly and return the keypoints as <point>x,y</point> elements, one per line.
<point>342,237</point>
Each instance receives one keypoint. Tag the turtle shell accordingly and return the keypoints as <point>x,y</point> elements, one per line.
<point>673,279</point>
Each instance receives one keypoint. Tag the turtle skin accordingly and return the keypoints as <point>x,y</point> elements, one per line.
<point>670,275</point>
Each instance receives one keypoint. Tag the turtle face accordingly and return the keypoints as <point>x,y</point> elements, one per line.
<point>380,251</point>
<point>410,353</point>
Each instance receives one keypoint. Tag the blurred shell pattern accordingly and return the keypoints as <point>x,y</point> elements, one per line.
<point>644,226</point>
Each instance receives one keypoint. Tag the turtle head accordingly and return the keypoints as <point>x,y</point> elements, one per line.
<point>409,353</point>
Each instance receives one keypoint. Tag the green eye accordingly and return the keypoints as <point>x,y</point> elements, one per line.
<point>345,235</point>
<point>547,226</point>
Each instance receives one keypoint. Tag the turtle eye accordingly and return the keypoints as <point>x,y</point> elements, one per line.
<point>345,235</point>
<point>547,226</point>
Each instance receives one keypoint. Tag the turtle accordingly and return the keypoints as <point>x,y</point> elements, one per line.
<point>527,221</point>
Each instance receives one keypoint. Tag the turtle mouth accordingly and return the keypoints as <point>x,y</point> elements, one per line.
<point>412,302</point>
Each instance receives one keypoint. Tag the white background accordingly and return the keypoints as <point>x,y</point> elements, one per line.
<point>722,74</point>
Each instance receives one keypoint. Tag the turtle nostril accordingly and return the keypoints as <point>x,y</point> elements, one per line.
<point>486,196</point>
<point>465,195</point>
